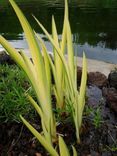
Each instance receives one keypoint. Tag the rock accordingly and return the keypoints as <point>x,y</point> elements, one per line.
<point>5,58</point>
<point>106,153</point>
<point>94,96</point>
<point>112,78</point>
<point>111,97</point>
<point>79,75</point>
<point>98,79</point>
<point>93,153</point>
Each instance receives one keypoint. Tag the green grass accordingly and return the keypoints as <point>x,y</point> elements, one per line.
<point>13,85</point>
<point>13,102</point>
<point>94,114</point>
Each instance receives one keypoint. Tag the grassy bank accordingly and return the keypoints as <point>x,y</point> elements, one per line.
<point>13,102</point>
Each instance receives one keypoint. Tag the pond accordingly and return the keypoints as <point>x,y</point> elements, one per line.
<point>93,24</point>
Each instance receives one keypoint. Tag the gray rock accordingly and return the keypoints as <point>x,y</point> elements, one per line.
<point>94,95</point>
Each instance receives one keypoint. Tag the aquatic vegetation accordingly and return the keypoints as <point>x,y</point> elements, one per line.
<point>74,98</point>
<point>38,72</point>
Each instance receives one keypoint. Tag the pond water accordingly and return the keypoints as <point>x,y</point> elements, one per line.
<point>93,24</point>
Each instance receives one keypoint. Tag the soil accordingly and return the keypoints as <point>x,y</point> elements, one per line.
<point>98,132</point>
<point>96,140</point>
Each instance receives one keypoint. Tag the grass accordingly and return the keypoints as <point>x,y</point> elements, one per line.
<point>13,102</point>
<point>94,115</point>
<point>13,85</point>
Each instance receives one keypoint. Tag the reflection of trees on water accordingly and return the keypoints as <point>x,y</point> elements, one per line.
<point>95,27</point>
<point>81,3</point>
<point>88,23</point>
<point>109,41</point>
<point>97,3</point>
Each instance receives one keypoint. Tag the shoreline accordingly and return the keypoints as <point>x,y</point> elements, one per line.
<point>92,65</point>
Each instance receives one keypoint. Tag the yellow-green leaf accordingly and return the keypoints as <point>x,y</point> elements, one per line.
<point>63,148</point>
<point>41,139</point>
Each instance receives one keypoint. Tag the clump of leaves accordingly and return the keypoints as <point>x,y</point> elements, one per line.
<point>13,102</point>
<point>39,75</point>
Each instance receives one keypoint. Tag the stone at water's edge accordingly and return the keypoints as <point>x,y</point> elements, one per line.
<point>112,78</point>
<point>93,78</point>
<point>97,78</point>
<point>111,97</point>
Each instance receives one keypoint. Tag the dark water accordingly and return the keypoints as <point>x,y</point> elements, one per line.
<point>93,23</point>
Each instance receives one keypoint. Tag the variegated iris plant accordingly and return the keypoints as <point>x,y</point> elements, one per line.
<point>38,72</point>
<point>65,72</point>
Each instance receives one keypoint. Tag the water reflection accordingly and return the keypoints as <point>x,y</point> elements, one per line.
<point>93,24</point>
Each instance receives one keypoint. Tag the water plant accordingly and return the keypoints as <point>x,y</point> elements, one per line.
<point>39,75</point>
<point>73,97</point>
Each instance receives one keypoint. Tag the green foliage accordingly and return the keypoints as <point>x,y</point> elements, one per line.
<point>113,147</point>
<point>63,150</point>
<point>97,120</point>
<point>39,75</point>
<point>74,97</point>
<point>94,115</point>
<point>13,102</point>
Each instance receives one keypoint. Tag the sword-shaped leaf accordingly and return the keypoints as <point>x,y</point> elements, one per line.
<point>63,148</point>
<point>41,139</point>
